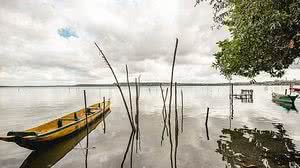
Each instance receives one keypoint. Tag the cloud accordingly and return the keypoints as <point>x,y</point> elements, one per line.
<point>34,49</point>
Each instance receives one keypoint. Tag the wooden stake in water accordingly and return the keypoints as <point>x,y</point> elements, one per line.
<point>87,128</point>
<point>129,94</point>
<point>291,86</point>
<point>137,113</point>
<point>170,104</point>
<point>285,93</point>
<point>181,111</point>
<point>207,113</point>
<point>206,122</point>
<point>176,127</point>
<point>119,87</point>
<point>103,112</point>
<point>231,100</point>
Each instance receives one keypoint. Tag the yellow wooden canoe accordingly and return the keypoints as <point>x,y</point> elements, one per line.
<point>56,130</point>
<point>48,157</point>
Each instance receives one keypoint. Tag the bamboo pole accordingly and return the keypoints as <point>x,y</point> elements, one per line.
<point>129,93</point>
<point>139,93</point>
<point>181,111</point>
<point>103,111</point>
<point>137,113</point>
<point>176,127</point>
<point>206,122</point>
<point>118,85</point>
<point>207,133</point>
<point>170,104</point>
<point>207,113</point>
<point>87,128</point>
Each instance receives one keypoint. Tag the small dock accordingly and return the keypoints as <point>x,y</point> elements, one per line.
<point>245,96</point>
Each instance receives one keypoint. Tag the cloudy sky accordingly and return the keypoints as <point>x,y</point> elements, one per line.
<point>52,42</point>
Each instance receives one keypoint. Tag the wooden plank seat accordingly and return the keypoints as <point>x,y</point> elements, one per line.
<point>68,119</point>
<point>22,133</point>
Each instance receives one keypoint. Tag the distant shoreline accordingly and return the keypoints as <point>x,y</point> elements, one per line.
<point>267,83</point>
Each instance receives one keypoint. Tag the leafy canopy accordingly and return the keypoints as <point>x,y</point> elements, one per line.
<point>265,36</point>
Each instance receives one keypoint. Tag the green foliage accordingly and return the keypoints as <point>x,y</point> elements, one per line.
<point>265,36</point>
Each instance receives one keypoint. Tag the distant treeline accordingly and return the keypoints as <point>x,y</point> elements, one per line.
<point>276,82</point>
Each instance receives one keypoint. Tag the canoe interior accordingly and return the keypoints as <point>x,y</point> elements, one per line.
<point>67,119</point>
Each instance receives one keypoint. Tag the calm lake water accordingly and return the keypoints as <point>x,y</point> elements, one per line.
<point>261,133</point>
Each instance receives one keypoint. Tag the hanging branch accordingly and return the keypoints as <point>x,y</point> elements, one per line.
<point>170,104</point>
<point>118,85</point>
<point>176,127</point>
<point>181,111</point>
<point>129,93</point>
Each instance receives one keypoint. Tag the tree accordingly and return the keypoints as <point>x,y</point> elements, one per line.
<point>265,36</point>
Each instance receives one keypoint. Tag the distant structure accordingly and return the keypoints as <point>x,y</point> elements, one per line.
<point>246,96</point>
<point>253,81</point>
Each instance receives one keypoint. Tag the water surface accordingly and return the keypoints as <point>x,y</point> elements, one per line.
<point>262,122</point>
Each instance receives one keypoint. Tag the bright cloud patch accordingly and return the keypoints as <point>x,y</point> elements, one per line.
<point>67,32</point>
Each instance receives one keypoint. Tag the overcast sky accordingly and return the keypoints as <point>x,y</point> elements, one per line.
<point>52,42</point>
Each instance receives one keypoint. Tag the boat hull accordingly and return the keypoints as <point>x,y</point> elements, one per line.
<point>295,89</point>
<point>46,139</point>
<point>46,142</point>
<point>286,99</point>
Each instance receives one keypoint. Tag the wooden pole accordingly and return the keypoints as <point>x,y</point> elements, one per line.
<point>206,123</point>
<point>103,111</point>
<point>129,93</point>
<point>231,100</point>
<point>207,133</point>
<point>137,113</point>
<point>139,93</point>
<point>176,127</point>
<point>170,104</point>
<point>87,128</point>
<point>207,113</point>
<point>118,85</point>
<point>181,111</point>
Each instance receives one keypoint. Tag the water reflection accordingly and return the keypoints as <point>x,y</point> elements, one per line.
<point>129,146</point>
<point>207,133</point>
<point>258,148</point>
<point>287,106</point>
<point>49,156</point>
